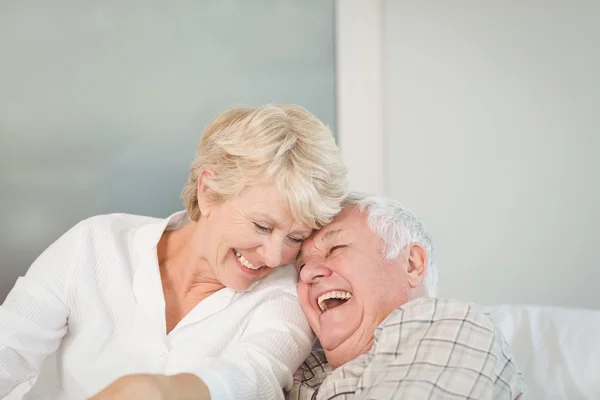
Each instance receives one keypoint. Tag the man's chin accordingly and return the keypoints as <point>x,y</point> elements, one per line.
<point>336,328</point>
<point>330,343</point>
<point>334,338</point>
<point>340,354</point>
<point>344,341</point>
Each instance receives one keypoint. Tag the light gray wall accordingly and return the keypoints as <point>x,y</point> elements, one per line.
<point>492,113</point>
<point>102,103</point>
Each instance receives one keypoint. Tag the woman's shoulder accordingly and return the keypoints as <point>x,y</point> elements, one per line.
<point>113,223</point>
<point>118,219</point>
<point>91,243</point>
<point>283,280</point>
<point>109,231</point>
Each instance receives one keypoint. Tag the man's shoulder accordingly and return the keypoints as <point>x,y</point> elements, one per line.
<point>426,311</point>
<point>430,334</point>
<point>436,322</point>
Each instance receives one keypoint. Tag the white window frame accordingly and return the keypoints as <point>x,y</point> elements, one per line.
<point>359,92</point>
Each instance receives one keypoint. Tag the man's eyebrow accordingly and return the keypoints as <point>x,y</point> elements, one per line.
<point>326,236</point>
<point>331,234</point>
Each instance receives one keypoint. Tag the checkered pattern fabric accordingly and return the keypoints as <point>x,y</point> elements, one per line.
<point>426,349</point>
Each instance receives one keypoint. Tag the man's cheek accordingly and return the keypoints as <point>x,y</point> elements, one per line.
<point>304,297</point>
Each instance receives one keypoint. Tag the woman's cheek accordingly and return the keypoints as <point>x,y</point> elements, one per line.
<point>289,255</point>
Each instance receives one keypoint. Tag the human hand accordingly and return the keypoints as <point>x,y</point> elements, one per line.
<point>155,387</point>
<point>141,386</point>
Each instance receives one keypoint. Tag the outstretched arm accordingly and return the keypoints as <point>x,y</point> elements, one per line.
<point>260,365</point>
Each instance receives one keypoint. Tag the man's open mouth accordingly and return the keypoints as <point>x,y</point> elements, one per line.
<point>332,299</point>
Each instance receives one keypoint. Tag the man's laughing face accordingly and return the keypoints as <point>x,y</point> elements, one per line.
<point>346,286</point>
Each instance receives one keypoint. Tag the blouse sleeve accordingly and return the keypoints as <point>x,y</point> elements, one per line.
<point>33,318</point>
<point>261,365</point>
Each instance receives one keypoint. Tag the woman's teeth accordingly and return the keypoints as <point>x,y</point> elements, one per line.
<point>244,262</point>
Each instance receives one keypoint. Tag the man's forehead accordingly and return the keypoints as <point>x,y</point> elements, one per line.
<point>343,225</point>
<point>321,237</point>
<point>328,232</point>
<point>324,234</point>
<point>346,226</point>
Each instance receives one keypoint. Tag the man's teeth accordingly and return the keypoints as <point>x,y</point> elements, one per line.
<point>338,294</point>
<point>243,261</point>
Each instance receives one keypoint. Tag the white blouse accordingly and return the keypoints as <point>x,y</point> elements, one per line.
<point>91,309</point>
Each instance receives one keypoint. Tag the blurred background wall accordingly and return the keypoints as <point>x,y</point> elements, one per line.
<point>489,128</point>
<point>102,103</point>
<point>483,117</point>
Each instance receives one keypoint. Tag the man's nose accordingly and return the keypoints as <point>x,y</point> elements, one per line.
<point>271,252</point>
<point>313,271</point>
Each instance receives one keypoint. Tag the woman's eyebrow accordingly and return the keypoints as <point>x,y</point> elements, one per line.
<point>262,216</point>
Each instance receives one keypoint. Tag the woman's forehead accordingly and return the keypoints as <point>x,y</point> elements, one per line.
<point>267,202</point>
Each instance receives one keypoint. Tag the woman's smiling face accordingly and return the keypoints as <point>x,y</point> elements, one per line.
<point>250,235</point>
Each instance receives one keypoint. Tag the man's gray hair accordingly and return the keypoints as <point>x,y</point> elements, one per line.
<point>398,227</point>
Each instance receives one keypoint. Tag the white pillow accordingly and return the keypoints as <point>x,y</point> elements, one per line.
<point>557,349</point>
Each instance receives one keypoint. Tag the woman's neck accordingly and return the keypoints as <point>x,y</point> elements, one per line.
<point>183,267</point>
<point>186,276</point>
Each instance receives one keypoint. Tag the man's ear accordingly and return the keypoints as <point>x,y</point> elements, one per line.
<point>203,188</point>
<point>416,264</point>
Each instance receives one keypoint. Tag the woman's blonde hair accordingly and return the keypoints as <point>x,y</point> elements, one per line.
<point>284,144</point>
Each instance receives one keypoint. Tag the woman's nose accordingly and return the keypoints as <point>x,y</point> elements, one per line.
<point>271,253</point>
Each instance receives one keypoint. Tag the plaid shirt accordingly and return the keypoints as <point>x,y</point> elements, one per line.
<point>426,349</point>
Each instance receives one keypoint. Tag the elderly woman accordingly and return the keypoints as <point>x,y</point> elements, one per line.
<point>198,305</point>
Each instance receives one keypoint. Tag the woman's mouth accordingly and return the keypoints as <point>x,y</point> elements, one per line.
<point>245,262</point>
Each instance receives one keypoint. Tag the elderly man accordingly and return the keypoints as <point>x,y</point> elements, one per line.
<point>364,284</point>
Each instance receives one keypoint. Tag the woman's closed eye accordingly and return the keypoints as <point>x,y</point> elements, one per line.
<point>265,229</point>
<point>295,240</point>
<point>261,228</point>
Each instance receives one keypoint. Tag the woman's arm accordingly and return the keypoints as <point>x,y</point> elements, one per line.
<point>33,318</point>
<point>275,342</point>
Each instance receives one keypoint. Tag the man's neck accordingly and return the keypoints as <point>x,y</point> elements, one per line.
<point>349,350</point>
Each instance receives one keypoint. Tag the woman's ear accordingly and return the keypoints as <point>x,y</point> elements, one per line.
<point>416,265</point>
<point>203,188</point>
